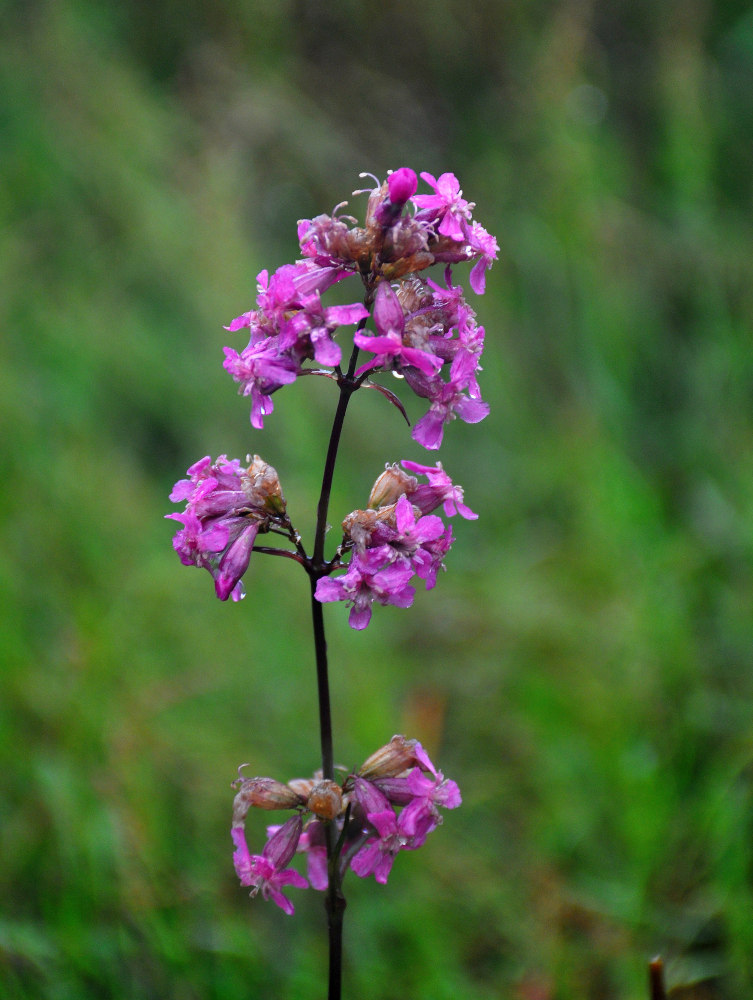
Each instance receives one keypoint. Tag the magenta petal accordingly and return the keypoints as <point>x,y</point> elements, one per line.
<point>429,528</point>
<point>417,817</point>
<point>463,509</point>
<point>429,431</point>
<point>385,822</point>
<point>427,363</point>
<point>377,345</point>
<point>388,313</point>
<point>241,855</point>
<point>291,877</point>
<point>317,868</point>
<point>477,277</point>
<point>359,618</point>
<point>422,470</point>
<point>471,410</point>
<point>383,867</point>
<point>366,860</point>
<point>182,490</point>
<point>345,315</point>
<point>403,599</point>
<point>282,901</point>
<point>404,518</point>
<point>448,795</point>
<point>450,227</point>
<point>328,589</point>
<point>261,406</point>
<point>240,321</point>
<point>214,539</point>
<point>271,890</point>
<point>326,351</point>
<point>423,759</point>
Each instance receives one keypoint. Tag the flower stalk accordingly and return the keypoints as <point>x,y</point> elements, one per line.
<point>425,333</point>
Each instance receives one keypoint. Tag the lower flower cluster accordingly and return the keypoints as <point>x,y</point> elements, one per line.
<point>390,804</point>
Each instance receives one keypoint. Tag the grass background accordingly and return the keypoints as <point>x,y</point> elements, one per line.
<point>584,667</point>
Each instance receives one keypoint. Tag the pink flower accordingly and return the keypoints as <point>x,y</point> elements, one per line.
<point>266,872</point>
<point>448,400</point>
<point>371,576</point>
<point>482,243</point>
<point>225,510</point>
<point>313,843</point>
<point>195,543</point>
<point>377,856</point>
<point>440,490</point>
<point>388,345</point>
<point>412,534</point>
<point>424,541</point>
<point>259,370</point>
<point>447,206</point>
<point>421,815</point>
<point>309,330</point>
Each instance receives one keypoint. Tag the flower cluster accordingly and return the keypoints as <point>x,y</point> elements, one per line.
<point>394,539</point>
<point>390,804</point>
<point>423,331</point>
<point>226,508</point>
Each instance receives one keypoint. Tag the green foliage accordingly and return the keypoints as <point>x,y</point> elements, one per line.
<point>583,669</point>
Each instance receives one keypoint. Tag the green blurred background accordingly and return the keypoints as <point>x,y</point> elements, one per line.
<point>583,669</point>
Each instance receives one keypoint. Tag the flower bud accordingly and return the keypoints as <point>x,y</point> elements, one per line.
<point>397,790</point>
<point>387,201</point>
<point>359,526</point>
<point>263,793</point>
<point>283,843</point>
<point>390,486</point>
<point>261,484</point>
<point>402,184</point>
<point>303,785</point>
<point>392,759</point>
<point>325,799</point>
<point>362,526</point>
<point>388,313</point>
<point>370,798</point>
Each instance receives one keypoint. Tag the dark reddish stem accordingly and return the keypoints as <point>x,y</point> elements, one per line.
<point>317,567</point>
<point>656,987</point>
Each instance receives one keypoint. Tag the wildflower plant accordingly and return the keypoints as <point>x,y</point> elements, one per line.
<point>424,331</point>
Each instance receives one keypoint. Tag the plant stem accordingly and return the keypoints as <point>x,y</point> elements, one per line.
<point>656,979</point>
<point>317,567</point>
<point>334,901</point>
<point>322,681</point>
<point>347,387</point>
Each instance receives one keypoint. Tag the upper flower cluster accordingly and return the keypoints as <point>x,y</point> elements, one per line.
<point>423,331</point>
<point>390,804</point>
